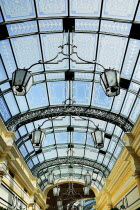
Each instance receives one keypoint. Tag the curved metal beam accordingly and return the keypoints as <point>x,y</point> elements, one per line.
<point>81,161</point>
<point>30,116</point>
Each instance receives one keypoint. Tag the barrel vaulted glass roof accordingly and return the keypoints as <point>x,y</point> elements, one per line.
<point>103,31</point>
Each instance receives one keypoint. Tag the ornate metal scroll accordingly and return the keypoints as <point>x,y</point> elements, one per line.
<point>30,116</point>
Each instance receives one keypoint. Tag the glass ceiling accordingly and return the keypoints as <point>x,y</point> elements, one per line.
<point>102,33</point>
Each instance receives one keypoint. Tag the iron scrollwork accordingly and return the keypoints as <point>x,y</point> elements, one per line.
<point>30,116</point>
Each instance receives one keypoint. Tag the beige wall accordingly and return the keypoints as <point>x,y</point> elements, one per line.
<point>123,183</point>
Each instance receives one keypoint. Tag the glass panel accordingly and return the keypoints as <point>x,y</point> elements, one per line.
<point>22,28</point>
<point>138,14</point>
<point>136,75</point>
<point>82,92</point>
<point>99,98</point>
<point>30,127</point>
<point>111,51</point>
<point>57,92</point>
<point>118,131</point>
<point>35,160</point>
<point>29,146</point>
<point>2,71</point>
<point>136,110</point>
<point>4,110</point>
<point>117,151</point>
<point>134,87</point>
<point>61,121</point>
<point>85,7</point>
<point>30,164</point>
<point>51,8</point>
<point>51,154</point>
<point>49,140</point>
<point>111,146</point>
<point>17,9</point>
<point>12,105</point>
<point>23,48</point>
<point>51,25</point>
<point>86,25</point>
<point>1,18</point>
<point>91,154</point>
<point>115,27</point>
<point>86,49</point>
<point>41,157</point>
<point>110,128</point>
<point>130,58</point>
<point>83,76</point>
<point>77,121</point>
<point>78,152</point>
<point>119,101</point>
<point>123,9</point>
<point>100,158</point>
<point>37,96</point>
<point>106,143</point>
<point>23,150</point>
<point>61,138</point>
<point>89,139</point>
<point>5,86</point>
<point>50,44</point>
<point>128,100</point>
<point>79,138</point>
<point>22,130</point>
<point>55,76</point>
<point>7,57</point>
<point>62,152</point>
<point>22,103</point>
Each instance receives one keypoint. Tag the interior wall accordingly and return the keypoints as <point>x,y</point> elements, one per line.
<point>123,184</point>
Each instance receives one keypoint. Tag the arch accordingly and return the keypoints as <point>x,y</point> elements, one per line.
<point>47,112</point>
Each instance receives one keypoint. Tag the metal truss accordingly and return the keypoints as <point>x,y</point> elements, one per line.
<point>47,112</point>
<point>59,161</point>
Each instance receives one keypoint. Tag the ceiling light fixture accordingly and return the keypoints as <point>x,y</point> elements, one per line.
<point>22,79</point>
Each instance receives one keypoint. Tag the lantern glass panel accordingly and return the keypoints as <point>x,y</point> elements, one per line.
<point>111,77</point>
<point>59,203</point>
<point>56,191</point>
<point>99,136</point>
<point>51,179</point>
<point>36,136</point>
<point>86,190</point>
<point>19,77</point>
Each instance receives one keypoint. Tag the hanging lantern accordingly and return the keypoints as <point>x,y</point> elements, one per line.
<point>98,138</point>
<point>56,191</point>
<point>86,190</point>
<point>38,137</point>
<point>110,81</point>
<point>22,80</point>
<point>88,178</point>
<point>59,203</point>
<point>51,178</point>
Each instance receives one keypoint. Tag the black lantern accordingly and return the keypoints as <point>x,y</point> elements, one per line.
<point>88,178</point>
<point>110,81</point>
<point>38,137</point>
<point>98,138</point>
<point>86,190</point>
<point>56,190</point>
<point>22,80</point>
<point>51,178</point>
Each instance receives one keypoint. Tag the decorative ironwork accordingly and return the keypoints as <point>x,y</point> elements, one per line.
<point>36,170</point>
<point>47,112</point>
